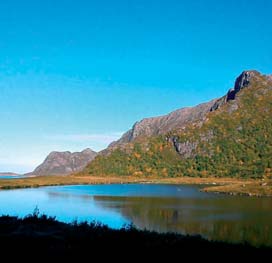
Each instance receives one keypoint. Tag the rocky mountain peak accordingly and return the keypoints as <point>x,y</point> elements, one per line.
<point>55,154</point>
<point>88,151</point>
<point>62,163</point>
<point>241,82</point>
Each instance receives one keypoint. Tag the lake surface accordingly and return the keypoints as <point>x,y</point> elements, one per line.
<point>182,209</point>
<point>11,176</point>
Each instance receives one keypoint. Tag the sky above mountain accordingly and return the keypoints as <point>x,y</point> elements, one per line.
<point>76,74</point>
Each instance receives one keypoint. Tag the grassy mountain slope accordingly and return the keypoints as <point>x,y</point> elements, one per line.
<point>233,139</point>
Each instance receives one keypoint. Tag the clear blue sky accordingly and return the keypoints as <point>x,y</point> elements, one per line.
<point>76,74</point>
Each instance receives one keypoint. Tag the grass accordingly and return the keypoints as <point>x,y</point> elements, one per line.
<point>40,237</point>
<point>251,187</point>
<point>246,187</point>
<point>64,180</point>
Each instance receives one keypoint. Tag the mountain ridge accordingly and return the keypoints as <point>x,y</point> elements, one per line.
<point>179,118</point>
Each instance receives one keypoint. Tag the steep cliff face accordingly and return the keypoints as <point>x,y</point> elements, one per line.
<point>230,136</point>
<point>62,163</point>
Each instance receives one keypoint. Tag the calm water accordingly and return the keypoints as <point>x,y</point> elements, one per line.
<point>11,176</point>
<point>162,208</point>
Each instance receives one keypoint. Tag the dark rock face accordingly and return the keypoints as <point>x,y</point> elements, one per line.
<point>218,103</point>
<point>231,94</point>
<point>62,163</point>
<point>241,82</point>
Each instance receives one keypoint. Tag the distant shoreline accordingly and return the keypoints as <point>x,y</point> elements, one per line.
<point>232,186</point>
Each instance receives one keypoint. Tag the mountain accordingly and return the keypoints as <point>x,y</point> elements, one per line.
<point>228,136</point>
<point>8,174</point>
<point>179,119</point>
<point>62,163</point>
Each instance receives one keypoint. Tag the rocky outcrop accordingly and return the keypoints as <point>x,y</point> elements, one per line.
<point>241,82</point>
<point>218,103</point>
<point>185,149</point>
<point>63,163</point>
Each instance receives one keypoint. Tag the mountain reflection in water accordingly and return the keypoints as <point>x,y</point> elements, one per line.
<point>235,219</point>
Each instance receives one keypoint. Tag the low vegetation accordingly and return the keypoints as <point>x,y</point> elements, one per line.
<point>41,237</point>
<point>32,182</point>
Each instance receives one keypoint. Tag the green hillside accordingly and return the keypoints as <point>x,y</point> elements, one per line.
<point>234,140</point>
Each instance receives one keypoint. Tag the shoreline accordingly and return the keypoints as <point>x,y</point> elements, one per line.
<point>231,186</point>
<point>36,235</point>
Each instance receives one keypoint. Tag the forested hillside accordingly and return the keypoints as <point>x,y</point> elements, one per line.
<point>233,138</point>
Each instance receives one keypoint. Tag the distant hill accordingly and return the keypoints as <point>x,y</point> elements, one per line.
<point>229,136</point>
<point>8,173</point>
<point>62,163</point>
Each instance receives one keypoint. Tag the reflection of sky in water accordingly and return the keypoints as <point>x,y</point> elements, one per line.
<point>65,207</point>
<point>162,208</point>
